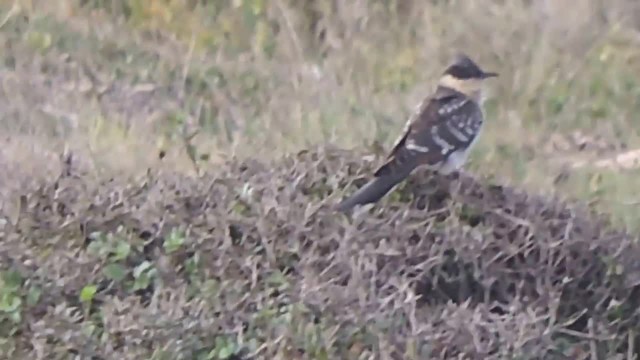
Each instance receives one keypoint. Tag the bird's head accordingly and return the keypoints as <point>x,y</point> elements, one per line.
<point>465,76</point>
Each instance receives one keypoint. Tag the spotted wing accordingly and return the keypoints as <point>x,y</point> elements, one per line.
<point>442,126</point>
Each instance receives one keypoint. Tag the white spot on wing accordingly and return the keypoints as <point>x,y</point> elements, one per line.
<point>411,145</point>
<point>440,141</point>
<point>457,134</point>
<point>471,126</point>
<point>452,106</point>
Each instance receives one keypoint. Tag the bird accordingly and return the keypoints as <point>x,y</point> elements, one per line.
<point>438,135</point>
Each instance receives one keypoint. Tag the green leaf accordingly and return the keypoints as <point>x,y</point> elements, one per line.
<point>122,250</point>
<point>10,303</point>
<point>191,265</point>
<point>115,272</point>
<point>226,352</point>
<point>33,295</point>
<point>141,268</point>
<point>88,292</point>
<point>173,241</point>
<point>16,317</point>
<point>143,274</point>
<point>141,282</point>
<point>95,247</point>
<point>12,280</point>
<point>224,348</point>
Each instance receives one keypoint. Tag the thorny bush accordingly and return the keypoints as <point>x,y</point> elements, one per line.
<point>250,261</point>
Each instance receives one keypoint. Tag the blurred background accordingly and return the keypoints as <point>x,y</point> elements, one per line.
<point>119,82</point>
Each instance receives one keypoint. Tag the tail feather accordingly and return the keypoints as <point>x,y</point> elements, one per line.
<point>374,189</point>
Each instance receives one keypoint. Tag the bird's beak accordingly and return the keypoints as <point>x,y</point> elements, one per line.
<point>489,74</point>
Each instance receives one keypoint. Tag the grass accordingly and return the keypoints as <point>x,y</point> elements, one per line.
<point>121,84</point>
<point>263,79</point>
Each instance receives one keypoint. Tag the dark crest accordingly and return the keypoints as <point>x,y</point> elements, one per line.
<point>463,67</point>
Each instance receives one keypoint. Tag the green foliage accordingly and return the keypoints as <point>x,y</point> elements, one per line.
<point>174,241</point>
<point>87,293</point>
<point>143,275</point>
<point>34,294</point>
<point>111,246</point>
<point>114,271</point>
<point>224,348</point>
<point>10,300</point>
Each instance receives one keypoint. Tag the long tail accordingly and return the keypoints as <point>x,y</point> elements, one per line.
<point>374,189</point>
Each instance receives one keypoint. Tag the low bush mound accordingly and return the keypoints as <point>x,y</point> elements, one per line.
<point>250,261</point>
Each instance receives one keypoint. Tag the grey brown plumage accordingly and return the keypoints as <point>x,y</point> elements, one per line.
<point>438,135</point>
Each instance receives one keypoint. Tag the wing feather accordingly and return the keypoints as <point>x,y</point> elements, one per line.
<point>440,126</point>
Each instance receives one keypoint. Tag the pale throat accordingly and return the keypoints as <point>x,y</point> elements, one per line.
<point>471,87</point>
